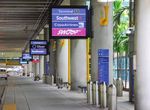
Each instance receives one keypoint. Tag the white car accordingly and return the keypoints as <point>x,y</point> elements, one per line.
<point>3,74</point>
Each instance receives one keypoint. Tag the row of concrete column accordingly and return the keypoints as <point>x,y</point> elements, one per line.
<point>69,61</point>
<point>102,39</point>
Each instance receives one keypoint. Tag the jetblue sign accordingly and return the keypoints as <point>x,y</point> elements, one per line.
<point>38,47</point>
<point>68,22</point>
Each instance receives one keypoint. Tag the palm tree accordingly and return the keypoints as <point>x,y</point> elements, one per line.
<point>120,21</point>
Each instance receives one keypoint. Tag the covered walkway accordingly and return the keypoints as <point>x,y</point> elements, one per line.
<point>29,95</point>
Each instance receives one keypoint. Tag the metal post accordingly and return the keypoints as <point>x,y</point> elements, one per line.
<point>88,92</point>
<point>112,98</point>
<point>94,93</point>
<point>103,95</point>
<point>97,94</point>
<point>91,99</point>
<point>119,85</point>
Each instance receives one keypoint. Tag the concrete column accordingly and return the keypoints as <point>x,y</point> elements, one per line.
<point>46,37</point>
<point>78,58</point>
<point>37,68</point>
<point>34,69</point>
<point>78,64</point>
<point>62,61</point>
<point>30,67</point>
<point>61,57</point>
<point>102,38</point>
<point>52,58</point>
<point>143,55</point>
<point>28,71</point>
<point>41,73</point>
<point>41,63</point>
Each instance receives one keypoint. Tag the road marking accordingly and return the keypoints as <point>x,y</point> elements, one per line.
<point>9,107</point>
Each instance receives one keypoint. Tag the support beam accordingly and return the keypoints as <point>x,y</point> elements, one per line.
<point>78,58</point>
<point>143,55</point>
<point>102,38</point>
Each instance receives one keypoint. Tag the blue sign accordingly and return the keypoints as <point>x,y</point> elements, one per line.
<point>103,66</point>
<point>69,22</point>
<point>40,42</point>
<point>103,53</point>
<point>47,68</point>
<point>27,56</point>
<point>38,47</point>
<point>23,61</point>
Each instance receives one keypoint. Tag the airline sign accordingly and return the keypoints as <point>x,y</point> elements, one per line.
<point>69,22</point>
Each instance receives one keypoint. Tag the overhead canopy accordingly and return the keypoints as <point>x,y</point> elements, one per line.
<point>21,20</point>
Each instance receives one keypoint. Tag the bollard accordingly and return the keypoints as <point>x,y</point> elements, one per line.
<point>88,92</point>
<point>97,94</point>
<point>91,99</point>
<point>112,98</point>
<point>119,87</point>
<point>103,95</point>
<point>52,80</point>
<point>94,93</point>
<point>44,79</point>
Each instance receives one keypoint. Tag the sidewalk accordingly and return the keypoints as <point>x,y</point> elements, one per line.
<point>29,95</point>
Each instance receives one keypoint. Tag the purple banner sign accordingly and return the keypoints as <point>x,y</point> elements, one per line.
<point>68,32</point>
<point>69,22</point>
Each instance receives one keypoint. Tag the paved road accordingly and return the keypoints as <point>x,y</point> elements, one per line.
<point>29,95</point>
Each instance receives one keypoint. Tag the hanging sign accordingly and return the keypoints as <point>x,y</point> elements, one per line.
<point>68,22</point>
<point>38,47</point>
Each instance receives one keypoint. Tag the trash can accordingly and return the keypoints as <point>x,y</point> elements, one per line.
<point>103,95</point>
<point>119,87</point>
<point>112,98</point>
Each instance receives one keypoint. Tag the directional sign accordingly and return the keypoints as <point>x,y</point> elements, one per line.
<point>23,61</point>
<point>103,66</point>
<point>38,47</point>
<point>27,56</point>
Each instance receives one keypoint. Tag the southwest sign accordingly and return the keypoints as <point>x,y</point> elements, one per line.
<point>68,22</point>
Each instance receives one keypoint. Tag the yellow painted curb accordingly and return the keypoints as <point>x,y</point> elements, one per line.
<point>9,107</point>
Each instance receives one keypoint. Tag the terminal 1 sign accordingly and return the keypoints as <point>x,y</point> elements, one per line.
<point>68,22</point>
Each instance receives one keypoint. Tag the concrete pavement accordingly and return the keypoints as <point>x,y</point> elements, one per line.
<point>29,95</point>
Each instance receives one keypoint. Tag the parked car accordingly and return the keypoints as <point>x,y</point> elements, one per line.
<point>3,74</point>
